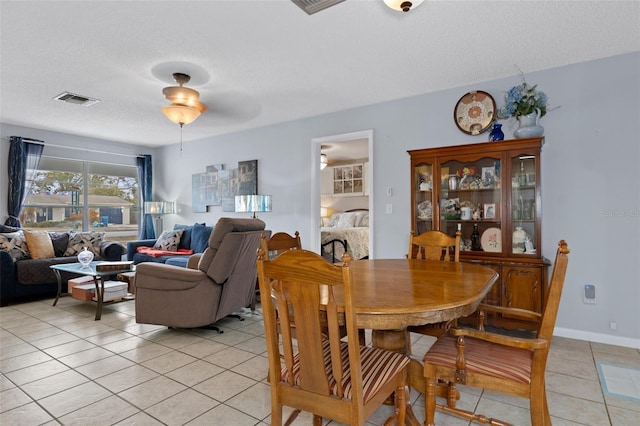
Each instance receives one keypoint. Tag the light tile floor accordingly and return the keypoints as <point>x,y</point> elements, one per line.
<point>59,366</point>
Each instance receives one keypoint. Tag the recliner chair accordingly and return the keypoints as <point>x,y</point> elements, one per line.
<point>215,284</point>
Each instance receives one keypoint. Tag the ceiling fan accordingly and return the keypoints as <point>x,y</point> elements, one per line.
<point>185,102</point>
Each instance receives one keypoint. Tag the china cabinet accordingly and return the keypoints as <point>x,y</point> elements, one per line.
<point>490,191</point>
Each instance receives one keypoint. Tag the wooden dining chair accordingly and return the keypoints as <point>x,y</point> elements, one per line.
<point>433,245</point>
<point>509,365</point>
<point>278,243</point>
<point>328,376</point>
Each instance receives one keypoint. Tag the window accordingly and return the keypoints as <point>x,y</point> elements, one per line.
<point>81,195</point>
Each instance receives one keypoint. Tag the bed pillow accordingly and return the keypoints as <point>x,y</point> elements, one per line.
<point>39,244</point>
<point>79,240</point>
<point>359,216</point>
<point>333,221</point>
<point>347,220</point>
<point>15,244</point>
<point>169,240</point>
<point>365,220</point>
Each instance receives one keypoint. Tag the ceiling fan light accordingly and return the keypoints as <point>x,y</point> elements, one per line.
<point>403,5</point>
<point>323,161</point>
<point>181,114</point>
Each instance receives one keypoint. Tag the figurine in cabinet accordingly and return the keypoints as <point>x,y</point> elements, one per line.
<point>476,215</point>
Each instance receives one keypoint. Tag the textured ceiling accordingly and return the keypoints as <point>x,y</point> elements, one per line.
<point>257,63</point>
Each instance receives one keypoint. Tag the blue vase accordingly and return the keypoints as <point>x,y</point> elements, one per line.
<point>496,132</point>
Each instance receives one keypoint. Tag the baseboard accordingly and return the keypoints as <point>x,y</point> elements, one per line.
<point>597,337</point>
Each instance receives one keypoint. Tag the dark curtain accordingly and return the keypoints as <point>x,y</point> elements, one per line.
<point>24,157</point>
<point>146,190</point>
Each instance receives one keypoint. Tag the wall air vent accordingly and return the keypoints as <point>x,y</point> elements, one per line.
<point>313,6</point>
<point>72,98</point>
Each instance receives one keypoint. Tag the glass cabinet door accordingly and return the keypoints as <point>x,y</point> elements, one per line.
<point>423,198</point>
<point>523,205</point>
<point>471,201</point>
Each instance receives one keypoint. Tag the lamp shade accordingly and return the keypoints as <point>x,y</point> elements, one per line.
<point>323,161</point>
<point>253,203</point>
<point>159,207</point>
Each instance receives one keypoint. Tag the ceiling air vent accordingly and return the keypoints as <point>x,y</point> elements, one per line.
<point>313,6</point>
<point>72,98</point>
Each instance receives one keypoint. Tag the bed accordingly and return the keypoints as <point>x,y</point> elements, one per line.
<point>346,231</point>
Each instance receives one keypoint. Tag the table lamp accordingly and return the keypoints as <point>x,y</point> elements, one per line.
<point>253,204</point>
<point>159,208</point>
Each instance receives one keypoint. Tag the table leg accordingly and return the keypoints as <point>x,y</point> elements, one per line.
<point>59,278</point>
<point>99,282</point>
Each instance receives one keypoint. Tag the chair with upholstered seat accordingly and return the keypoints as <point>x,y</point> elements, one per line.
<point>326,376</point>
<point>433,245</point>
<point>505,364</point>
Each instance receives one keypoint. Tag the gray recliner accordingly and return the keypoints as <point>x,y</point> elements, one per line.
<point>215,283</point>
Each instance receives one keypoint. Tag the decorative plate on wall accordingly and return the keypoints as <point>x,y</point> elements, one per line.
<point>474,112</point>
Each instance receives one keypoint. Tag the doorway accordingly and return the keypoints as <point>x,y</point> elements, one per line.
<point>341,143</point>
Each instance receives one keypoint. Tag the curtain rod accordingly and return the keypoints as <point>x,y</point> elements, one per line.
<point>79,149</point>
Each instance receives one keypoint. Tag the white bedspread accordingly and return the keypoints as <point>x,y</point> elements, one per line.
<point>357,241</point>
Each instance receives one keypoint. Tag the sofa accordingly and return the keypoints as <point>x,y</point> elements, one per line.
<point>193,239</point>
<point>25,265</point>
<point>216,283</point>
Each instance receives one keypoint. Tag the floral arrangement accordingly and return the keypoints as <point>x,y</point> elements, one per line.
<point>466,171</point>
<point>523,100</point>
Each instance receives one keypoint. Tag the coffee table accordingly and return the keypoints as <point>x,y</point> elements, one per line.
<point>92,270</point>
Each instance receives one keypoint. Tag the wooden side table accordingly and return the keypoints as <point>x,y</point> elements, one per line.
<point>130,279</point>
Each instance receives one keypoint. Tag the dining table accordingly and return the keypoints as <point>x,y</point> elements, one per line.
<point>392,294</point>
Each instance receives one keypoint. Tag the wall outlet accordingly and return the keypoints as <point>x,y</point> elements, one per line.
<point>589,294</point>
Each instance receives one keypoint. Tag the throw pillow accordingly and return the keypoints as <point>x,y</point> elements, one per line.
<point>169,240</point>
<point>40,245</point>
<point>6,229</point>
<point>185,240</point>
<point>60,241</point>
<point>200,237</point>
<point>79,240</point>
<point>15,244</point>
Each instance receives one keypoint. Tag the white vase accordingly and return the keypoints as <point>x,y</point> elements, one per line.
<point>518,239</point>
<point>528,126</point>
<point>85,257</point>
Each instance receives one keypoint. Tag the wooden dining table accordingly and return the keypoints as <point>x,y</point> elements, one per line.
<point>391,294</point>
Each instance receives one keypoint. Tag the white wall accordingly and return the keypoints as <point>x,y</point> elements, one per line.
<point>591,189</point>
